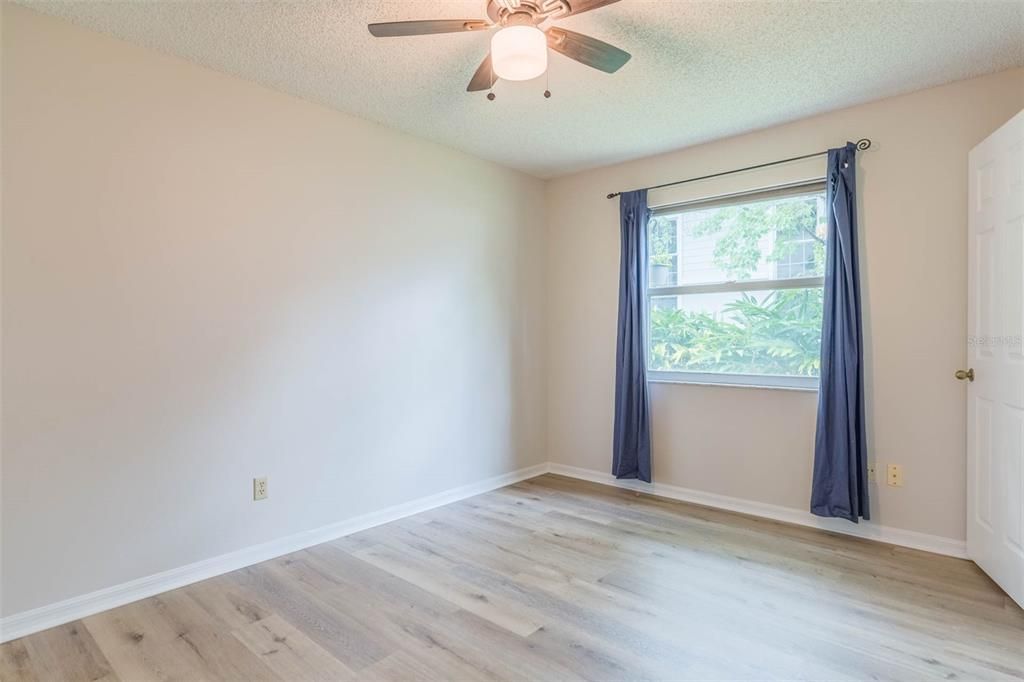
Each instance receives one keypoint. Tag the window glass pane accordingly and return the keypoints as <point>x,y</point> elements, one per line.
<point>751,332</point>
<point>776,238</point>
<point>663,250</point>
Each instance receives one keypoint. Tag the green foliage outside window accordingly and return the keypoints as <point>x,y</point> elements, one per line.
<point>740,230</point>
<point>777,333</point>
<point>773,332</point>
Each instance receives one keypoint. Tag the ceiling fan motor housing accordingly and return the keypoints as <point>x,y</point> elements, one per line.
<point>525,12</point>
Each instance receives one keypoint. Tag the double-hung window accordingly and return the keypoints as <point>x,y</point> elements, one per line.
<point>735,289</point>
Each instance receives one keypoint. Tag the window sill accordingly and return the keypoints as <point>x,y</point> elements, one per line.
<point>666,378</point>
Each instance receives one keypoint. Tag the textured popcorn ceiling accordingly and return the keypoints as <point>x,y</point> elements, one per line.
<point>700,70</point>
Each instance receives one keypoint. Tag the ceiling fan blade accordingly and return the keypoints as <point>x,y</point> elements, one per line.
<point>393,29</point>
<point>484,77</point>
<point>581,6</point>
<point>586,50</point>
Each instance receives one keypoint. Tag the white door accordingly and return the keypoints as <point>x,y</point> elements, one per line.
<point>995,325</point>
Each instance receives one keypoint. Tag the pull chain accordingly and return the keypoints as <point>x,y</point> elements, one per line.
<point>490,90</point>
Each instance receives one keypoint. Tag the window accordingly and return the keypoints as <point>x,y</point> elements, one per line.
<point>735,289</point>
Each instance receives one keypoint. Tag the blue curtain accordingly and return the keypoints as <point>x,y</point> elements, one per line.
<point>839,486</point>
<point>631,449</point>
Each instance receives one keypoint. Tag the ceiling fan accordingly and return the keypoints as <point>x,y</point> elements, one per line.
<point>519,50</point>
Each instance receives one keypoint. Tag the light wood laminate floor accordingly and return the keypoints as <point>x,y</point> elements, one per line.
<point>558,579</point>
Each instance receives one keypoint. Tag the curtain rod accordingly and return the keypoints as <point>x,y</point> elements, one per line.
<point>862,144</point>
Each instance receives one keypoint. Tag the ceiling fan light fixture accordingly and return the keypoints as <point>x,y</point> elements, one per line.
<point>519,53</point>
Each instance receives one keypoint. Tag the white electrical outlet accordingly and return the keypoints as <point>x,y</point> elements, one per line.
<point>872,476</point>
<point>894,475</point>
<point>259,488</point>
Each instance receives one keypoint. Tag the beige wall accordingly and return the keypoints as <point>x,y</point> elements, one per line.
<point>206,281</point>
<point>756,444</point>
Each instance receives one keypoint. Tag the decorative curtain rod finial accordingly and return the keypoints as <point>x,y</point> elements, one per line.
<point>863,143</point>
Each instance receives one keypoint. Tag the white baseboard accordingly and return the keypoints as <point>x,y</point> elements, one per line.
<point>27,622</point>
<point>865,529</point>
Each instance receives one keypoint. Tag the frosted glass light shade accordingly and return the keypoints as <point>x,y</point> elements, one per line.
<point>519,53</point>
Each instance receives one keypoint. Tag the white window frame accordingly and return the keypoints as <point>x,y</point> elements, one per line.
<point>721,378</point>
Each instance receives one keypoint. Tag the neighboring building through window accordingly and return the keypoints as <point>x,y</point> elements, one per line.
<point>735,289</point>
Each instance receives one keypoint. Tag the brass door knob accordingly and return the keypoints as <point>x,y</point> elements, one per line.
<point>962,374</point>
